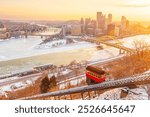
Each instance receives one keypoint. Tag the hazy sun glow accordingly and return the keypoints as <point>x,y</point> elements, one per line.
<point>73,9</point>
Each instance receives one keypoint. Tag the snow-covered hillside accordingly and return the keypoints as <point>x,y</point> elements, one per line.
<point>129,94</point>
<point>10,88</point>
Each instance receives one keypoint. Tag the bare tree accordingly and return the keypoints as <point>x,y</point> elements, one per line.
<point>141,48</point>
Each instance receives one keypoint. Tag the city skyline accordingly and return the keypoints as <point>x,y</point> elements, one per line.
<point>136,10</point>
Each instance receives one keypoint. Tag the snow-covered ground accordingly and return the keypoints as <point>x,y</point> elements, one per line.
<point>23,84</point>
<point>105,54</point>
<point>72,82</point>
<point>64,72</point>
<point>4,90</point>
<point>130,41</point>
<point>115,94</point>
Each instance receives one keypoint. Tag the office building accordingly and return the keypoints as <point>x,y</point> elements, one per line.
<point>109,20</point>
<point>123,22</point>
<point>113,30</point>
<point>82,26</point>
<point>101,20</point>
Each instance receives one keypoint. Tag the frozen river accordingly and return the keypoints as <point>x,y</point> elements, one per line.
<point>22,47</point>
<point>22,54</point>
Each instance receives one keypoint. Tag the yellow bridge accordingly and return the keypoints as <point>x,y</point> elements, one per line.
<point>122,48</point>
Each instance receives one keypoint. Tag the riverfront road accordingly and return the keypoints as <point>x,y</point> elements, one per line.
<point>20,79</point>
<point>10,80</point>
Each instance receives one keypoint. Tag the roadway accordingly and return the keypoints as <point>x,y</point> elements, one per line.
<point>10,80</point>
<point>20,79</point>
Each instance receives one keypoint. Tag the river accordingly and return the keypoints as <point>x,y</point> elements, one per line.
<point>23,54</point>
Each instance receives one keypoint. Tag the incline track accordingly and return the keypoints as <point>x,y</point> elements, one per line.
<point>134,80</point>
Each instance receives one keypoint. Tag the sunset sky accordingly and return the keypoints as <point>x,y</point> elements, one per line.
<point>136,10</point>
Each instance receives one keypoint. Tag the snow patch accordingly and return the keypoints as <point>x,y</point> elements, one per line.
<point>148,71</point>
<point>66,71</point>
<point>139,94</point>
<point>133,94</point>
<point>4,90</point>
<point>105,54</point>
